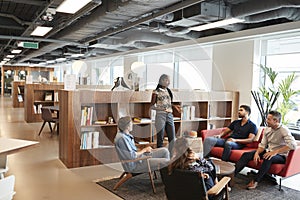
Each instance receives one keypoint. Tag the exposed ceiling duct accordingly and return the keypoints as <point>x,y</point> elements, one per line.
<point>106,27</point>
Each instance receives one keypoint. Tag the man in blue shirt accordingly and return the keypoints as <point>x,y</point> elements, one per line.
<point>127,150</point>
<point>235,136</point>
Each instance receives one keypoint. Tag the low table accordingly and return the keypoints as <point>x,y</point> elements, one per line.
<point>226,169</point>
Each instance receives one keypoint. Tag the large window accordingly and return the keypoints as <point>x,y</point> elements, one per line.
<point>282,55</point>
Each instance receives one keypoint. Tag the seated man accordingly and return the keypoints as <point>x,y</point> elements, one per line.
<point>127,150</point>
<point>274,147</point>
<point>242,132</point>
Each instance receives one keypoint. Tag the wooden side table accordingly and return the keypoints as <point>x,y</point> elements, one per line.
<point>226,169</point>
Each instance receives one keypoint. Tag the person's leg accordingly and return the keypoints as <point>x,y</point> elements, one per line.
<point>267,164</point>
<point>209,143</point>
<point>170,130</point>
<point>243,161</point>
<point>227,149</point>
<point>160,121</point>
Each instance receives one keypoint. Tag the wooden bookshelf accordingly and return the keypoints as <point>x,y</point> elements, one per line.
<point>18,93</point>
<point>212,109</point>
<point>35,95</point>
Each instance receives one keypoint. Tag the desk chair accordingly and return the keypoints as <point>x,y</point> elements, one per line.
<point>185,184</point>
<point>7,188</point>
<point>47,117</point>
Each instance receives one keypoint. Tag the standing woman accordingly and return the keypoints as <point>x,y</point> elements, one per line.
<point>162,102</point>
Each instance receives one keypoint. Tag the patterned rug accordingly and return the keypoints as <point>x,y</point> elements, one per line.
<point>139,188</point>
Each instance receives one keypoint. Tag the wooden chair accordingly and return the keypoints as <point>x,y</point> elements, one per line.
<point>126,175</point>
<point>7,188</point>
<point>185,184</point>
<point>47,117</point>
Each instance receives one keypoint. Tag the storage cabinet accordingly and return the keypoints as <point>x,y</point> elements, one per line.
<point>38,95</point>
<point>88,120</point>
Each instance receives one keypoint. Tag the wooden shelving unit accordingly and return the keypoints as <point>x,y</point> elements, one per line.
<point>212,109</point>
<point>18,94</point>
<point>38,95</point>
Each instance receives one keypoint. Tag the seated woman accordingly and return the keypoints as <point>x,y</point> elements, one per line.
<point>185,158</point>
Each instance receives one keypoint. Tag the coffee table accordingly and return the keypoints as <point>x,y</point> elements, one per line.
<point>225,169</point>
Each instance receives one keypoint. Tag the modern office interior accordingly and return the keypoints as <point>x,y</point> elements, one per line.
<point>88,49</point>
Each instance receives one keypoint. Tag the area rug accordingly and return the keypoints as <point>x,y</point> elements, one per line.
<point>139,188</point>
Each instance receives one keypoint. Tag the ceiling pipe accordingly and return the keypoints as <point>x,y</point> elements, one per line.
<point>257,6</point>
<point>292,14</point>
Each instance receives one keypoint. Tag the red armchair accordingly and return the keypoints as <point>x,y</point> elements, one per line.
<point>290,168</point>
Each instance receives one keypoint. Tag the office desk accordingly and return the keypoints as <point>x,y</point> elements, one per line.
<point>10,146</point>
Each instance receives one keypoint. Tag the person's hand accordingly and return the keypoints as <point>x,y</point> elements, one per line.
<point>269,155</point>
<point>256,158</point>
<point>231,140</point>
<point>205,175</point>
<point>217,136</point>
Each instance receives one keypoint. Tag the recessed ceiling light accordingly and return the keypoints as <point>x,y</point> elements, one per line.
<point>16,51</point>
<point>72,6</point>
<point>41,30</point>
<point>6,59</point>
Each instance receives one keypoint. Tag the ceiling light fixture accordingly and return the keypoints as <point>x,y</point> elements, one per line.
<point>216,24</point>
<point>41,30</point>
<point>16,51</point>
<point>6,59</point>
<point>72,6</point>
<point>10,56</point>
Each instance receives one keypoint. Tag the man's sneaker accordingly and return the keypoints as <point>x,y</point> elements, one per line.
<point>252,185</point>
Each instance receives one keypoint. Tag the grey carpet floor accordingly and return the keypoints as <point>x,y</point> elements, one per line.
<point>139,188</point>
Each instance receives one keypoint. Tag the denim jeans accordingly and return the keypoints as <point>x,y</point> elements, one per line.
<point>164,122</point>
<point>210,142</point>
<point>266,164</point>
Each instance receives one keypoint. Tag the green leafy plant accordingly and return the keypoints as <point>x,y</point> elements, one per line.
<point>267,97</point>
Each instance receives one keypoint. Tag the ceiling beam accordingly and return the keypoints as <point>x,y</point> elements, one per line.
<point>8,37</point>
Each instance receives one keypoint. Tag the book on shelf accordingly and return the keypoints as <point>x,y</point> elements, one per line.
<point>48,96</point>
<point>100,122</point>
<point>20,98</point>
<point>188,112</point>
<point>56,97</point>
<point>143,142</point>
<point>37,109</point>
<point>87,116</point>
<point>141,120</point>
<point>89,140</point>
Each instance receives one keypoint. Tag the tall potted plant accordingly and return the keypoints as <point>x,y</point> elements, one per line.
<point>277,94</point>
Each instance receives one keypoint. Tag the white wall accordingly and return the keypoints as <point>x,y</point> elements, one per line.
<point>233,68</point>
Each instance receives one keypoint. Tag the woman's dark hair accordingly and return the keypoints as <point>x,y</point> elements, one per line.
<point>159,85</point>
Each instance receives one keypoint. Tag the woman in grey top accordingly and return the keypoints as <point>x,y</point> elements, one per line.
<point>162,102</point>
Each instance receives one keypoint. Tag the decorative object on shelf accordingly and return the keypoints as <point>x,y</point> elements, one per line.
<point>120,85</point>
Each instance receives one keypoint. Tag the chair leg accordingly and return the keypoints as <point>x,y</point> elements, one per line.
<point>279,184</point>
<point>124,177</point>
<point>152,182</point>
<point>42,127</point>
<point>49,123</point>
<point>151,177</point>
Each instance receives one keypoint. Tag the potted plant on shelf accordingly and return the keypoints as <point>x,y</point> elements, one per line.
<point>278,94</point>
